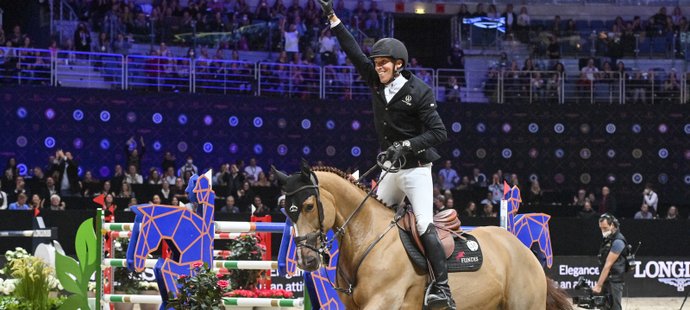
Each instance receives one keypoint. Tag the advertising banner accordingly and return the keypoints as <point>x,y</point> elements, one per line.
<point>651,277</point>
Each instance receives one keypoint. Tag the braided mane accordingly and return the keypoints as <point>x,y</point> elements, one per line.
<point>344,175</point>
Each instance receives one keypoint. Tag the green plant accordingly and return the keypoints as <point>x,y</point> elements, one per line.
<point>33,281</point>
<point>74,276</point>
<point>203,290</point>
<point>15,303</point>
<point>245,247</point>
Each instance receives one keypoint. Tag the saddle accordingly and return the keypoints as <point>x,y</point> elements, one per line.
<point>447,225</point>
<point>462,250</point>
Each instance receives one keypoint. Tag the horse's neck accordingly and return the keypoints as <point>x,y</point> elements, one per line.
<point>365,227</point>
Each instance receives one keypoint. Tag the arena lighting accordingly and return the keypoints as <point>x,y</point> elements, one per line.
<point>49,142</point>
<point>258,149</point>
<point>50,113</point>
<point>258,122</point>
<point>182,146</point>
<point>104,171</point>
<point>182,119</point>
<point>131,117</point>
<point>208,147</point>
<point>78,143</point>
<point>22,141</point>
<point>157,118</point>
<point>419,10</point>
<point>78,115</point>
<point>282,149</point>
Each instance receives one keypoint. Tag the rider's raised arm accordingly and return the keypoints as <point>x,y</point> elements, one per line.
<point>354,52</point>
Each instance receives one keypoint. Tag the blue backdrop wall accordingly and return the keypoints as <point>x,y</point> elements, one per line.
<point>565,147</point>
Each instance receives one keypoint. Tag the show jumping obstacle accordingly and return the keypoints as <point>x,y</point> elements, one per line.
<point>157,225</point>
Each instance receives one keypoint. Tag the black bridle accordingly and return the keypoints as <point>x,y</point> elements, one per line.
<point>325,248</point>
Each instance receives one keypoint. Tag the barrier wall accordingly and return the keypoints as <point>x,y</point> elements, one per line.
<point>569,236</point>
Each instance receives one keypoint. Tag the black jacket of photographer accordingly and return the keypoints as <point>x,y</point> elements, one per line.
<point>618,269</point>
<point>411,113</point>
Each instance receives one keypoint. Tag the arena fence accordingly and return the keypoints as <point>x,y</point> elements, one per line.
<point>216,75</point>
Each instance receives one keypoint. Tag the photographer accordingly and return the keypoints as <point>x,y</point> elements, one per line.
<point>612,253</point>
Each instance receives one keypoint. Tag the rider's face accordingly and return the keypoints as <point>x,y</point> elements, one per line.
<point>385,67</point>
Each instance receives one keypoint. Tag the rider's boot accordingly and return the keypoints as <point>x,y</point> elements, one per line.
<point>439,296</point>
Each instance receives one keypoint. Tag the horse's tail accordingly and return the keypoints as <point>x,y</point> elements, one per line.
<point>556,297</point>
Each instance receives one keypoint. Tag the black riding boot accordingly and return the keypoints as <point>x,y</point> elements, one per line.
<point>439,296</point>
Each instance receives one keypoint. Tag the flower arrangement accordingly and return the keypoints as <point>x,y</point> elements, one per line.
<point>245,247</point>
<point>8,285</point>
<point>266,293</point>
<point>203,290</point>
<point>33,284</point>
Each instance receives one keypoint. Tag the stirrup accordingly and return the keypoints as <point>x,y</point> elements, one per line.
<point>446,303</point>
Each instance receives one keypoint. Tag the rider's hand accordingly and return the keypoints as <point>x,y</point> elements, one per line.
<point>394,152</point>
<point>596,289</point>
<point>327,7</point>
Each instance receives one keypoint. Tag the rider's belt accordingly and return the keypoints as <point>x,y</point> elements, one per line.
<point>414,163</point>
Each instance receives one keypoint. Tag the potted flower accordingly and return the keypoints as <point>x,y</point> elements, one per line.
<point>245,247</point>
<point>203,290</point>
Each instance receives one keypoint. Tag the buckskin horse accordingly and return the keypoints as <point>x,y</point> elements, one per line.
<point>379,274</point>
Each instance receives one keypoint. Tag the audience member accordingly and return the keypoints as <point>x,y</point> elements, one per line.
<point>230,206</point>
<point>259,209</point>
<point>188,167</point>
<point>607,204</point>
<point>587,212</point>
<point>448,176</point>
<point>56,204</point>
<point>132,176</point>
<point>470,210</point>
<point>650,198</point>
<point>489,211</point>
<point>672,213</point>
<point>134,152</point>
<point>644,213</point>
<point>20,204</point>
<point>165,193</point>
<point>3,198</point>
<point>252,171</point>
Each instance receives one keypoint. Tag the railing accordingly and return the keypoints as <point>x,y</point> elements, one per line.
<point>294,81</point>
<point>176,74</point>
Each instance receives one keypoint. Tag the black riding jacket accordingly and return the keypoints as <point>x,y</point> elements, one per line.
<point>411,113</point>
<point>618,268</point>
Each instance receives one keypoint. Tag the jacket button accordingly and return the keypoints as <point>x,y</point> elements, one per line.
<point>385,124</point>
<point>385,138</point>
<point>386,109</point>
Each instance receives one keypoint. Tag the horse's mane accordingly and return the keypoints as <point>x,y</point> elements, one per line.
<point>345,177</point>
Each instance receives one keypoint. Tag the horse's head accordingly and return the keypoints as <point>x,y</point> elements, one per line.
<point>311,215</point>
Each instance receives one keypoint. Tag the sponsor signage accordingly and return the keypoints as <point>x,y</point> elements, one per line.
<point>652,276</point>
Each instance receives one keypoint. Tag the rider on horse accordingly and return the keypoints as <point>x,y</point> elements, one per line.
<point>408,127</point>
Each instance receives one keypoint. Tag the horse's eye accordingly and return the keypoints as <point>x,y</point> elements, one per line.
<point>309,207</point>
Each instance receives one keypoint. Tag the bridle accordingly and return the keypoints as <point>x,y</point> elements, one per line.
<point>339,232</point>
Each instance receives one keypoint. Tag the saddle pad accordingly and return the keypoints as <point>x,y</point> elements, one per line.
<point>467,255</point>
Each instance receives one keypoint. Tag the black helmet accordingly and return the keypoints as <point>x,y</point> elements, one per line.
<point>389,47</point>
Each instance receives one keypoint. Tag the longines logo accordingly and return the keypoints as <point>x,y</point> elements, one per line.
<point>674,273</point>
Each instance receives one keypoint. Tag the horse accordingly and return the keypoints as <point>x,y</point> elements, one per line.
<point>374,270</point>
<point>188,234</point>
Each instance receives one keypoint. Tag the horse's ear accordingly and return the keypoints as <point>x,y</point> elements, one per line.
<point>306,170</point>
<point>282,177</point>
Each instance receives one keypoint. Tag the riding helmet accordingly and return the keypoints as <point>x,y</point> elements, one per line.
<point>390,47</point>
